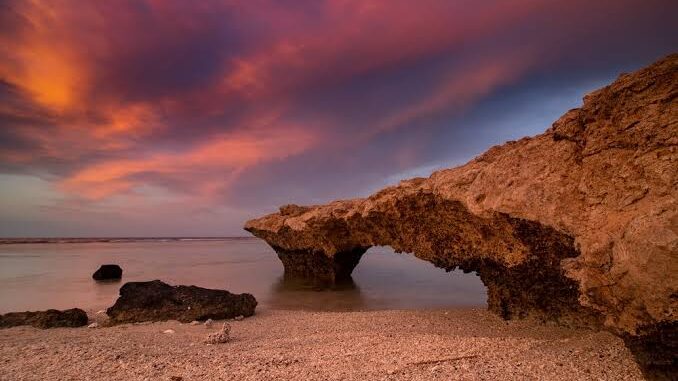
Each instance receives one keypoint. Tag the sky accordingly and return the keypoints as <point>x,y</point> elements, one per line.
<point>181,118</point>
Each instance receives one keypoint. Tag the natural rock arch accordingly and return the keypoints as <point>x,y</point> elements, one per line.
<point>517,260</point>
<point>576,225</point>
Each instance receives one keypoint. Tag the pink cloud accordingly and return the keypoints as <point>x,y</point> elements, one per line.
<point>111,97</point>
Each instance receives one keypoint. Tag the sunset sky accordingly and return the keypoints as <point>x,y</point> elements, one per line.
<point>183,118</point>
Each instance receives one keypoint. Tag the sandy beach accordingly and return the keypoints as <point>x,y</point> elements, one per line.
<point>452,344</point>
<point>352,190</point>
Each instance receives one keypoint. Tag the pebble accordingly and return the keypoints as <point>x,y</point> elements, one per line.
<point>93,325</point>
<point>195,322</point>
<point>221,336</point>
<point>168,331</point>
<point>208,323</point>
<point>238,318</point>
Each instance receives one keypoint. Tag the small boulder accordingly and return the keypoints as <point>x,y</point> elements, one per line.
<point>93,325</point>
<point>158,301</point>
<point>108,272</point>
<point>74,317</point>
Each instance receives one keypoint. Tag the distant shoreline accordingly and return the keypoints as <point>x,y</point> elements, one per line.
<point>23,240</point>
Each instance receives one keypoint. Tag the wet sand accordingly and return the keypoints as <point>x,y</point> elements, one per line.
<point>441,344</point>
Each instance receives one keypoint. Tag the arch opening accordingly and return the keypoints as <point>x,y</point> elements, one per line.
<point>382,280</point>
<point>405,281</point>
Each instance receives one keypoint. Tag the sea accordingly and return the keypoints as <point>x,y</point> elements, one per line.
<point>39,274</point>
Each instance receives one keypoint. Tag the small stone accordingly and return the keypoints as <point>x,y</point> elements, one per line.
<point>101,312</point>
<point>238,318</point>
<point>208,323</point>
<point>93,325</point>
<point>221,336</point>
<point>195,322</point>
<point>168,331</point>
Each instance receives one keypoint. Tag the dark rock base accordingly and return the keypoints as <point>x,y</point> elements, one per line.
<point>73,317</point>
<point>538,287</point>
<point>318,269</point>
<point>656,350</point>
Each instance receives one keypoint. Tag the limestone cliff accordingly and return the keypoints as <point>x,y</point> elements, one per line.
<point>578,225</point>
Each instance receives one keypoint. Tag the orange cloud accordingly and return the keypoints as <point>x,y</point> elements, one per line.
<point>43,60</point>
<point>232,153</point>
<point>49,60</point>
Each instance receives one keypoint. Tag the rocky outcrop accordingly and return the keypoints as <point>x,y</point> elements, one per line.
<point>73,317</point>
<point>158,301</point>
<point>108,272</point>
<point>577,225</point>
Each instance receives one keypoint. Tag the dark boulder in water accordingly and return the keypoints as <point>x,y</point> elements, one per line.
<point>74,317</point>
<point>108,272</point>
<point>159,301</point>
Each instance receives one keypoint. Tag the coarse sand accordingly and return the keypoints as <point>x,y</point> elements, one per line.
<point>454,344</point>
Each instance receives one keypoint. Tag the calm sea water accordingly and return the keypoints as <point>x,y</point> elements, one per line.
<point>58,275</point>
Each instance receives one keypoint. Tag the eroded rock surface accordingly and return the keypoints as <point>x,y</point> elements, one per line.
<point>74,317</point>
<point>158,301</point>
<point>577,225</point>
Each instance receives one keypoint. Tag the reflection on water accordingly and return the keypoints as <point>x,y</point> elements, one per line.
<point>41,276</point>
<point>297,294</point>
